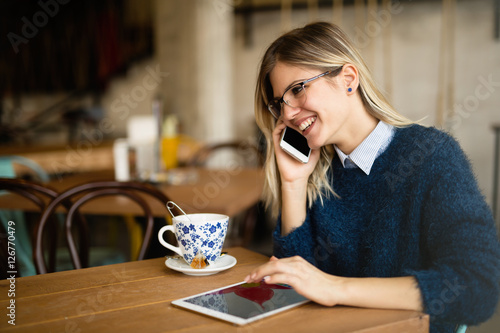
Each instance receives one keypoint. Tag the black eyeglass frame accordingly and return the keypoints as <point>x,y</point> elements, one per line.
<point>281,100</point>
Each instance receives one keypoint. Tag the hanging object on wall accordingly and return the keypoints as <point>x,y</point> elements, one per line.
<point>372,31</point>
<point>359,15</point>
<point>446,79</point>
<point>387,52</point>
<point>496,22</point>
<point>312,10</point>
<point>81,45</point>
<point>286,15</point>
<point>337,12</point>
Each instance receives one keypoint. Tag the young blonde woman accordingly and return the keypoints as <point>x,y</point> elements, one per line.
<point>386,213</point>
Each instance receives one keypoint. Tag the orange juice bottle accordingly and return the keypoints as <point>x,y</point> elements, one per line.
<point>169,142</point>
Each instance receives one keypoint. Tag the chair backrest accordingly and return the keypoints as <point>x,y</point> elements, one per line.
<point>81,194</point>
<point>33,191</point>
<point>40,195</point>
<point>8,162</point>
<point>246,152</point>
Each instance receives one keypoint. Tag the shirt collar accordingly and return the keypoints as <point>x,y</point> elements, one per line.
<point>372,146</point>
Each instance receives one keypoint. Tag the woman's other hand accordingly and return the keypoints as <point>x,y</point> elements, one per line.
<point>306,279</point>
<point>382,293</point>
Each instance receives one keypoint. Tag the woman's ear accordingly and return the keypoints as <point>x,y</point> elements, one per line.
<point>350,78</point>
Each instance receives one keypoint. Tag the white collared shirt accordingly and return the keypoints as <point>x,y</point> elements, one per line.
<point>365,154</point>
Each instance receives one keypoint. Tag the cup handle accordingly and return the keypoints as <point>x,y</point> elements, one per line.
<point>176,249</point>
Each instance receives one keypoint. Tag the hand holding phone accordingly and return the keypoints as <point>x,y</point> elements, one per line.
<point>295,144</point>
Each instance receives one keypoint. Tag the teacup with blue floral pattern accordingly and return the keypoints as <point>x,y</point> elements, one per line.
<point>198,235</point>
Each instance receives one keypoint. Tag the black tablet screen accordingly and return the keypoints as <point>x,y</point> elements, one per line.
<point>248,300</point>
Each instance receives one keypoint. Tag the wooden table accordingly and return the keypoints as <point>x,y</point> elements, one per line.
<point>215,191</point>
<point>136,296</point>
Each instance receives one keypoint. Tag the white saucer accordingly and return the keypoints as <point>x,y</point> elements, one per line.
<point>223,263</point>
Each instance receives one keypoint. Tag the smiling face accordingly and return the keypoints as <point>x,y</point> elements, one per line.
<point>331,114</point>
<point>324,111</point>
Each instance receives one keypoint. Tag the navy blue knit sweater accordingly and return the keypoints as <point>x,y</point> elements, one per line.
<point>418,213</point>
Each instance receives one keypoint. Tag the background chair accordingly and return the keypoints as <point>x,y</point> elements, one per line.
<point>14,166</point>
<point>244,153</point>
<point>81,194</point>
<point>39,195</point>
<point>230,155</point>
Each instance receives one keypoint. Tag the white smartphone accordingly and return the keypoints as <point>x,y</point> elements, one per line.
<point>295,144</point>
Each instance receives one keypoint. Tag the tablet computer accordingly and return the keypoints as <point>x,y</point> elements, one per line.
<point>243,303</point>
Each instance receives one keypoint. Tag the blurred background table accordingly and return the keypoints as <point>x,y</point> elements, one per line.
<point>226,192</point>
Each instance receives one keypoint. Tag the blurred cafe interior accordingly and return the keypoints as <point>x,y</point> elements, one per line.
<point>161,93</point>
<point>145,90</point>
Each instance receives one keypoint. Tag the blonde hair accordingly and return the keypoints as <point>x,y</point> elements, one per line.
<point>324,47</point>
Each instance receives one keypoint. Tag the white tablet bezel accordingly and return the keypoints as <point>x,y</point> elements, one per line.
<point>225,316</point>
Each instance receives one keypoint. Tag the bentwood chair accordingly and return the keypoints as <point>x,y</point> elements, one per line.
<point>244,154</point>
<point>15,166</point>
<point>39,195</point>
<point>139,192</point>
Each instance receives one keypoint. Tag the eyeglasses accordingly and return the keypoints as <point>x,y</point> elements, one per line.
<point>294,96</point>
